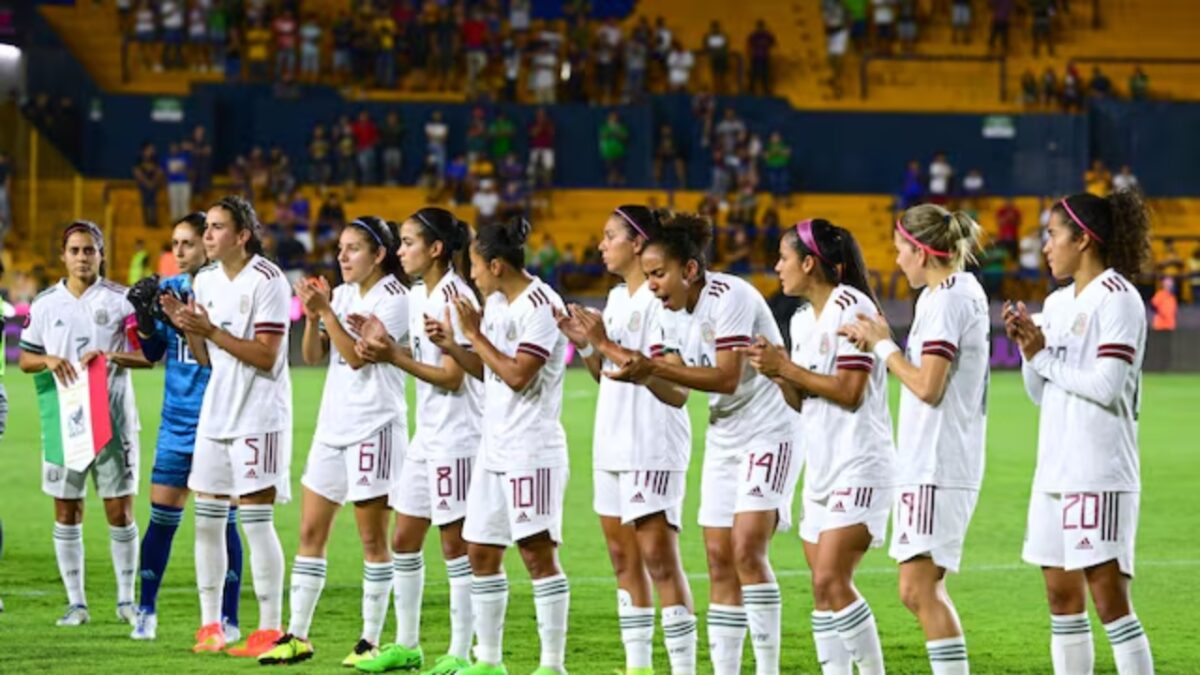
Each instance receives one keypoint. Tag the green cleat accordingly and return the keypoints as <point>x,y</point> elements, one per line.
<point>448,664</point>
<point>393,657</point>
<point>287,649</point>
<point>484,669</point>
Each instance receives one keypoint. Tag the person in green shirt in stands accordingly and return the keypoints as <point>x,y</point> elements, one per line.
<point>501,132</point>
<point>776,157</point>
<point>139,264</point>
<point>614,138</point>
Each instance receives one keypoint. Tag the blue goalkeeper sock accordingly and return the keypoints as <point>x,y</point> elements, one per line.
<point>233,578</point>
<point>156,551</point>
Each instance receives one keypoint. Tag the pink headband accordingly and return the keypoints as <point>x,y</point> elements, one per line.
<point>1078,221</point>
<point>631,222</point>
<point>804,231</point>
<point>924,247</point>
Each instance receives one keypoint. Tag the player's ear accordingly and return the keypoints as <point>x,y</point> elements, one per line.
<point>436,249</point>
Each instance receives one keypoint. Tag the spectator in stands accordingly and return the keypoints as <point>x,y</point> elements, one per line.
<point>1125,180</point>
<point>614,140</point>
<point>636,56</point>
<point>664,44</point>
<point>519,14</point>
<point>541,150</point>
<point>514,201</point>
<point>257,52</point>
<point>716,47</point>
<point>510,170</point>
<point>777,156</point>
<point>366,140</point>
<point>285,30</point>
<point>145,33</point>
<point>960,22</point>
<point>500,134</point>
<point>1050,93</point>
<point>729,130</point>
<point>486,202</point>
<point>722,176</point>
<point>1193,270</point>
<point>1097,180</point>
<point>837,37</point>
<point>738,255</point>
<point>704,108</point>
<point>149,177</point>
<point>239,177</point>
<point>972,190</point>
<point>941,174</point>
<point>1165,305</point>
<point>171,14</point>
<point>1002,11</point>
<point>343,42</point>
<point>201,152</point>
<point>320,158</point>
<point>331,217</point>
<point>911,191</point>
<point>1072,90</point>
<point>436,133</point>
<point>474,42</point>
<point>606,49</point>
<point>668,152</point>
<point>391,139</point>
<point>884,16</point>
<point>1139,84</point>
<point>544,261</point>
<point>1099,86</point>
<point>1169,263</point>
<point>139,263</point>
<point>283,180</point>
<point>859,26</point>
<point>758,47</point>
<point>346,157</point>
<point>383,30</point>
<point>679,67</point>
<point>510,60</point>
<point>166,265</point>
<point>1029,262</point>
<point>1029,88</point>
<point>5,190</point>
<point>178,170</point>
<point>1008,226</point>
<point>290,252</point>
<point>197,37</point>
<point>445,33</point>
<point>457,183</point>
<point>218,35</point>
<point>1042,11</point>
<point>771,230</point>
<point>543,80</point>
<point>260,173</point>
<point>311,33</point>
<point>907,25</point>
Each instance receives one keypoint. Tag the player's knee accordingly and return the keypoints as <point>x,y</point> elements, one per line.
<point>453,548</point>
<point>720,561</point>
<point>1111,606</point>
<point>119,512</point>
<point>829,586</point>
<point>312,535</point>
<point>750,556</point>
<point>660,561</point>
<point>623,560</point>
<point>539,563</point>
<point>916,595</point>
<point>1065,600</point>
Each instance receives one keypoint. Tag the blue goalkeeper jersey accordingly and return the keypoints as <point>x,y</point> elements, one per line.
<point>185,380</point>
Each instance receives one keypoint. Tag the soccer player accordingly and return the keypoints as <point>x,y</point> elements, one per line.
<point>1083,366</point>
<point>520,478</point>
<point>846,431</point>
<point>640,452</point>
<point>236,322</point>
<point>69,324</point>
<point>943,417</point>
<point>436,474</point>
<point>750,457</point>
<point>184,391</point>
<point>362,430</point>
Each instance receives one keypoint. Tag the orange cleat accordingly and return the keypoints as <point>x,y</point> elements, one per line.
<point>210,638</point>
<point>260,642</point>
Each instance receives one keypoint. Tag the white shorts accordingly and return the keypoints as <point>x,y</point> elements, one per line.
<point>762,478</point>
<point>243,465</point>
<point>505,508</point>
<point>1077,530</point>
<point>845,507</point>
<point>435,488</point>
<point>114,472</point>
<point>357,472</point>
<point>630,495</point>
<point>931,521</point>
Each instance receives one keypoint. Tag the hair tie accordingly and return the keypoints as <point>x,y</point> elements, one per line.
<point>921,245</point>
<point>371,231</point>
<point>631,222</point>
<point>804,231</point>
<point>1078,221</point>
<point>946,219</point>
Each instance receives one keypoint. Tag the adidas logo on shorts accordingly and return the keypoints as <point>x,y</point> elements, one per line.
<point>251,474</point>
<point>363,480</point>
<point>443,506</point>
<point>523,518</point>
<point>638,499</point>
<point>838,508</point>
<point>903,537</point>
<point>1084,544</point>
<point>755,492</point>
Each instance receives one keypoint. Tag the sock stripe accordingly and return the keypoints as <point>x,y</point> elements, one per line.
<point>1126,633</point>
<point>727,619</point>
<point>255,514</point>
<point>124,534</point>
<point>233,515</point>
<point>550,587</point>
<point>456,570</point>
<point>679,629</point>
<point>165,515</point>
<point>68,532</point>
<point>408,562</point>
<point>212,509</point>
<point>853,618</point>
<point>377,571</point>
<point>487,586</point>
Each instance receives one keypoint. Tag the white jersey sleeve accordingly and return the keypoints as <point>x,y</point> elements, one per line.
<point>271,308</point>
<point>1121,330</point>
<point>33,332</point>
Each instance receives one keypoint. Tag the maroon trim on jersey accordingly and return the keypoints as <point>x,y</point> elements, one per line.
<point>1116,351</point>
<point>541,490</point>
<point>462,481</point>
<point>268,328</point>
<point>717,288</point>
<point>450,291</point>
<point>656,351</point>
<point>844,301</point>
<point>926,496</point>
<point>538,297</point>
<point>855,362</point>
<point>863,497</point>
<point>782,463</point>
<point>733,341</point>
<point>1110,514</point>
<point>395,288</point>
<point>948,283</point>
<point>533,350</point>
<point>267,269</point>
<point>1115,285</point>
<point>943,348</point>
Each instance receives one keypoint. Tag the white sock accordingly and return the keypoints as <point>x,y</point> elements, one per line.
<point>266,562</point>
<point>552,602</point>
<point>377,588</point>
<point>489,600</point>
<point>1131,647</point>
<point>458,571</point>
<point>68,550</point>
<point>123,545</point>
<point>948,656</point>
<point>679,637</point>
<point>1071,644</point>
<point>726,633</point>
<point>764,616</point>
<point>855,625</point>
<point>408,584</point>
<point>212,563</point>
<point>831,653</point>
<point>637,631</point>
<point>308,579</point>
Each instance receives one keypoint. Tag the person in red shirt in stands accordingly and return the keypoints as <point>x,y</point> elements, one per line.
<point>285,29</point>
<point>1008,225</point>
<point>541,149</point>
<point>474,42</point>
<point>366,138</point>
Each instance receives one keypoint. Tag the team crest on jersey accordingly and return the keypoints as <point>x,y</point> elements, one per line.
<point>1080,324</point>
<point>707,334</point>
<point>101,317</point>
<point>826,344</point>
<point>635,322</point>
<point>244,304</point>
<point>53,474</point>
<point>511,333</point>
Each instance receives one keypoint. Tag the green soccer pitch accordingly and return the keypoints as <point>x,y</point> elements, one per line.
<point>999,598</point>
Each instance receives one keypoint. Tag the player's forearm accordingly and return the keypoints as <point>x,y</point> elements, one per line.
<point>129,359</point>
<point>920,381</point>
<point>505,367</point>
<point>1100,384</point>
<point>341,340</point>
<point>154,345</point>
<point>704,379</point>
<point>439,376</point>
<point>791,395</point>
<point>1035,384</point>
<point>829,387</point>
<point>199,349</point>
<point>312,347</point>
<point>32,363</point>
<point>468,360</point>
<point>668,392</point>
<point>250,352</point>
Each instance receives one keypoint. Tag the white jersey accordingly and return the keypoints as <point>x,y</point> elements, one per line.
<point>634,430</point>
<point>448,422</point>
<point>730,314</point>
<point>241,400</point>
<point>943,444</point>
<point>522,428</point>
<point>1083,446</point>
<point>356,404</point>
<point>846,448</point>
<point>60,324</point>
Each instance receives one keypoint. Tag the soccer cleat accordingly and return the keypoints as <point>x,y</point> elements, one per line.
<point>126,613</point>
<point>448,664</point>
<point>260,642</point>
<point>231,630</point>
<point>363,651</point>
<point>393,657</point>
<point>548,670</point>
<point>210,638</point>
<point>76,615</point>
<point>484,669</point>
<point>287,649</point>
<point>145,626</point>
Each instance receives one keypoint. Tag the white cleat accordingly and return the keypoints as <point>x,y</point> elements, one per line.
<point>145,626</point>
<point>233,634</point>
<point>76,615</point>
<point>126,613</point>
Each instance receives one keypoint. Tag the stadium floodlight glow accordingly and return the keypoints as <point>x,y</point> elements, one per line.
<point>9,53</point>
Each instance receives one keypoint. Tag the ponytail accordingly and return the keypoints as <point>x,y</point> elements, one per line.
<point>837,253</point>
<point>382,234</point>
<point>505,241</point>
<point>942,235</point>
<point>642,221</point>
<point>1119,226</point>
<point>684,237</point>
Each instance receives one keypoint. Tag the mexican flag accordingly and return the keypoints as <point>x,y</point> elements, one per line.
<point>75,417</point>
